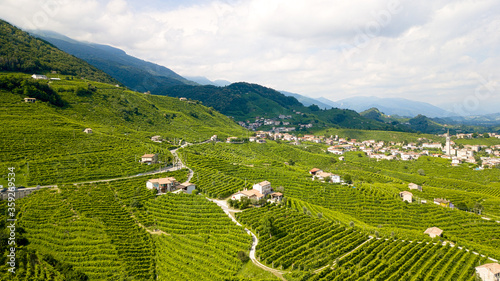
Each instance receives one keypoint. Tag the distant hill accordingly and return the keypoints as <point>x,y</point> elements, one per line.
<point>245,101</point>
<point>22,52</point>
<point>308,101</point>
<point>393,106</point>
<point>205,81</point>
<point>240,100</point>
<point>476,120</point>
<point>328,102</point>
<point>136,74</point>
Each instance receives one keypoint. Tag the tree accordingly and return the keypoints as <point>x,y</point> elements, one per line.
<point>351,224</point>
<point>348,179</point>
<point>243,256</point>
<point>268,225</point>
<point>421,172</point>
<point>320,215</point>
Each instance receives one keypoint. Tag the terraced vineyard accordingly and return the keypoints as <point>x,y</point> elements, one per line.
<point>302,243</point>
<point>200,241</point>
<point>47,145</point>
<point>375,203</point>
<point>381,259</point>
<point>297,241</point>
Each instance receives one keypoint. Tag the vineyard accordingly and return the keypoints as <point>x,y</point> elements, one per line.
<point>374,202</point>
<point>201,242</point>
<point>47,144</point>
<point>303,243</point>
<point>119,230</point>
<point>297,241</point>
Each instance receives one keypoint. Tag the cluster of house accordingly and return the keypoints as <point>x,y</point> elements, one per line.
<point>408,197</point>
<point>318,174</point>
<point>170,184</point>
<point>259,191</point>
<point>281,120</point>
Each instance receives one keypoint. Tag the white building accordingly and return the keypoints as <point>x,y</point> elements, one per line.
<point>263,187</point>
<point>39,76</point>
<point>489,272</point>
<point>414,186</point>
<point>433,232</point>
<point>407,196</point>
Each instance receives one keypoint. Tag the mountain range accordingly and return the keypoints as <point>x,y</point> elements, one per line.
<point>136,74</point>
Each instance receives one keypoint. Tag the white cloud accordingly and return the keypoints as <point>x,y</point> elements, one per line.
<point>422,50</point>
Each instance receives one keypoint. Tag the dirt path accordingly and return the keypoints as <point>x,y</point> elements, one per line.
<point>255,240</point>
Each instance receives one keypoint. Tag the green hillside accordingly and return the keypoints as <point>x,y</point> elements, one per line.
<point>245,101</point>
<point>374,201</point>
<point>46,143</point>
<point>22,52</point>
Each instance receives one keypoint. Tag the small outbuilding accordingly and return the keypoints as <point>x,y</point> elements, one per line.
<point>32,100</point>
<point>433,232</point>
<point>88,131</point>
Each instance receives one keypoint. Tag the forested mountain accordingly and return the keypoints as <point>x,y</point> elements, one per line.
<point>22,52</point>
<point>244,101</point>
<point>136,74</point>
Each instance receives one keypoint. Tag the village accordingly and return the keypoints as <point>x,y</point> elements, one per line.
<point>380,150</point>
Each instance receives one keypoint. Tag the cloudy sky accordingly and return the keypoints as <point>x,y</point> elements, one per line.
<point>443,52</point>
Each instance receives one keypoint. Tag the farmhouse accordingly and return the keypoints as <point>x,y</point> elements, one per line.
<point>433,232</point>
<point>314,171</point>
<point>406,195</point>
<point>156,138</point>
<point>149,158</point>
<point>251,194</point>
<point>276,196</point>
<point>263,187</point>
<point>324,175</point>
<point>32,100</point>
<point>183,99</point>
<point>162,184</point>
<point>39,76</point>
<point>489,272</point>
<point>88,131</point>
<point>414,186</point>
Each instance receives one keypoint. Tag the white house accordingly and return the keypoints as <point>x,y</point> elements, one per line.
<point>32,100</point>
<point>414,186</point>
<point>433,232</point>
<point>149,158</point>
<point>489,272</point>
<point>39,76</point>
<point>88,131</point>
<point>263,187</point>
<point>156,138</point>
<point>323,175</point>
<point>187,187</point>
<point>162,184</point>
<point>251,194</point>
<point>406,195</point>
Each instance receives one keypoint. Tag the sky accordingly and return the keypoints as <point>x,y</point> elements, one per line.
<point>445,53</point>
